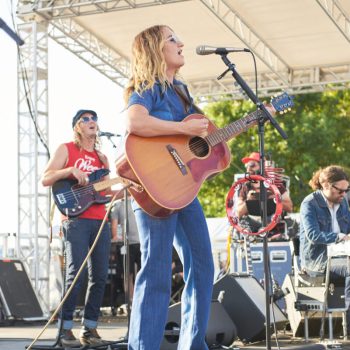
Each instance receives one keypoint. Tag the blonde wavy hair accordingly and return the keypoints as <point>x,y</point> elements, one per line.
<point>77,137</point>
<point>148,62</point>
<point>330,174</point>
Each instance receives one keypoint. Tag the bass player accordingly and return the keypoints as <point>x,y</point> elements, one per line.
<point>76,160</point>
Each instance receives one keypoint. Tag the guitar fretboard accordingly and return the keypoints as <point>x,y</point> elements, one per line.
<point>233,129</point>
<point>102,185</point>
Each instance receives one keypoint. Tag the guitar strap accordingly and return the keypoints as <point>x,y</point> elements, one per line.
<point>102,158</point>
<point>185,98</point>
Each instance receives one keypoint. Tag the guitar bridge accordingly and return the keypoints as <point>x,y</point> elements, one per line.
<point>177,159</point>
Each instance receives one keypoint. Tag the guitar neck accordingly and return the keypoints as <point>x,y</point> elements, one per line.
<point>233,129</point>
<point>102,185</point>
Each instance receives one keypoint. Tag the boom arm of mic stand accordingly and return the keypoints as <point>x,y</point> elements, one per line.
<point>252,96</point>
<point>13,35</point>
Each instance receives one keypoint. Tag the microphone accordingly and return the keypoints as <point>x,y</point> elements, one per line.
<point>108,134</point>
<point>208,50</point>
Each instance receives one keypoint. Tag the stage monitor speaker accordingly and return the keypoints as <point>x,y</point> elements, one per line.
<point>311,299</point>
<point>221,330</point>
<point>244,301</point>
<point>17,296</point>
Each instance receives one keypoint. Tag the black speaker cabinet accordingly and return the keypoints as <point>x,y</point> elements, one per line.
<point>244,301</point>
<point>17,296</point>
<point>221,330</point>
<point>311,299</point>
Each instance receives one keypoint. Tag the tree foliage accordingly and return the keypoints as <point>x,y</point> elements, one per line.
<point>318,135</point>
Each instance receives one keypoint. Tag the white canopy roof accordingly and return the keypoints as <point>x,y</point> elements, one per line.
<point>300,45</point>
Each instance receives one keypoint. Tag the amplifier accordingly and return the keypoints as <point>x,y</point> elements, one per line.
<point>310,299</point>
<point>17,296</point>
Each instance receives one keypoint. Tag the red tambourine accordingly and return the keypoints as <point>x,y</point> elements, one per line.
<point>230,199</point>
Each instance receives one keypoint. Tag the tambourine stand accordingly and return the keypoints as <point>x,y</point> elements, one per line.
<point>263,205</point>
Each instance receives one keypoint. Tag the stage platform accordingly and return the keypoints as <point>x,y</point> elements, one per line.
<point>18,336</point>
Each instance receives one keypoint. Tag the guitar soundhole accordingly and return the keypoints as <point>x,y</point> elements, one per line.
<point>199,147</point>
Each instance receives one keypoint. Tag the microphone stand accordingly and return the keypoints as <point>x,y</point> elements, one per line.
<point>264,116</point>
<point>123,342</point>
<point>111,141</point>
<point>126,256</point>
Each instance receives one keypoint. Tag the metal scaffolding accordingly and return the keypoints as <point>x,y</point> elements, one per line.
<point>33,126</point>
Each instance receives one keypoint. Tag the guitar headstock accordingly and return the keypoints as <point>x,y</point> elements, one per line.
<point>282,103</point>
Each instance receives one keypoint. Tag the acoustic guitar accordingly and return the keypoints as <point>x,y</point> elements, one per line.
<point>171,169</point>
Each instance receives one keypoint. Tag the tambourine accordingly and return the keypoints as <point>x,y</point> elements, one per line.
<point>230,207</point>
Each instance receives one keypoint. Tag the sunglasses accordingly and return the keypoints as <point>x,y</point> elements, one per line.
<point>174,39</point>
<point>251,165</point>
<point>340,191</point>
<point>86,119</point>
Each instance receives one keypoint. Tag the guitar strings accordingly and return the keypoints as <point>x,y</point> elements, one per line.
<point>76,192</point>
<point>235,127</point>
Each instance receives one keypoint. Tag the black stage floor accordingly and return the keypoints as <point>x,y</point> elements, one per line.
<point>18,336</point>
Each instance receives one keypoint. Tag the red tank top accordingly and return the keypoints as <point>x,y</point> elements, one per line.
<point>87,162</point>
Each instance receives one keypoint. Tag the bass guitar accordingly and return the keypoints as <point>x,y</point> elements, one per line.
<point>171,169</point>
<point>73,199</point>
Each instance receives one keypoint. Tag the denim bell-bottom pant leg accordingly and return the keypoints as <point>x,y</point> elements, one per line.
<point>193,246</point>
<point>153,281</point>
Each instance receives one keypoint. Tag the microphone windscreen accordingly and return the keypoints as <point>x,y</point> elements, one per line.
<point>199,50</point>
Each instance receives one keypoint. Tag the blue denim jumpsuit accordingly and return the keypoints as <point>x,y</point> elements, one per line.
<point>188,232</point>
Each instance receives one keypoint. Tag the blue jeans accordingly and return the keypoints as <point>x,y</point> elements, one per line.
<point>188,230</point>
<point>80,235</point>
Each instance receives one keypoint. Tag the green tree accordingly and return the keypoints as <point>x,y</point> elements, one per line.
<point>318,135</point>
